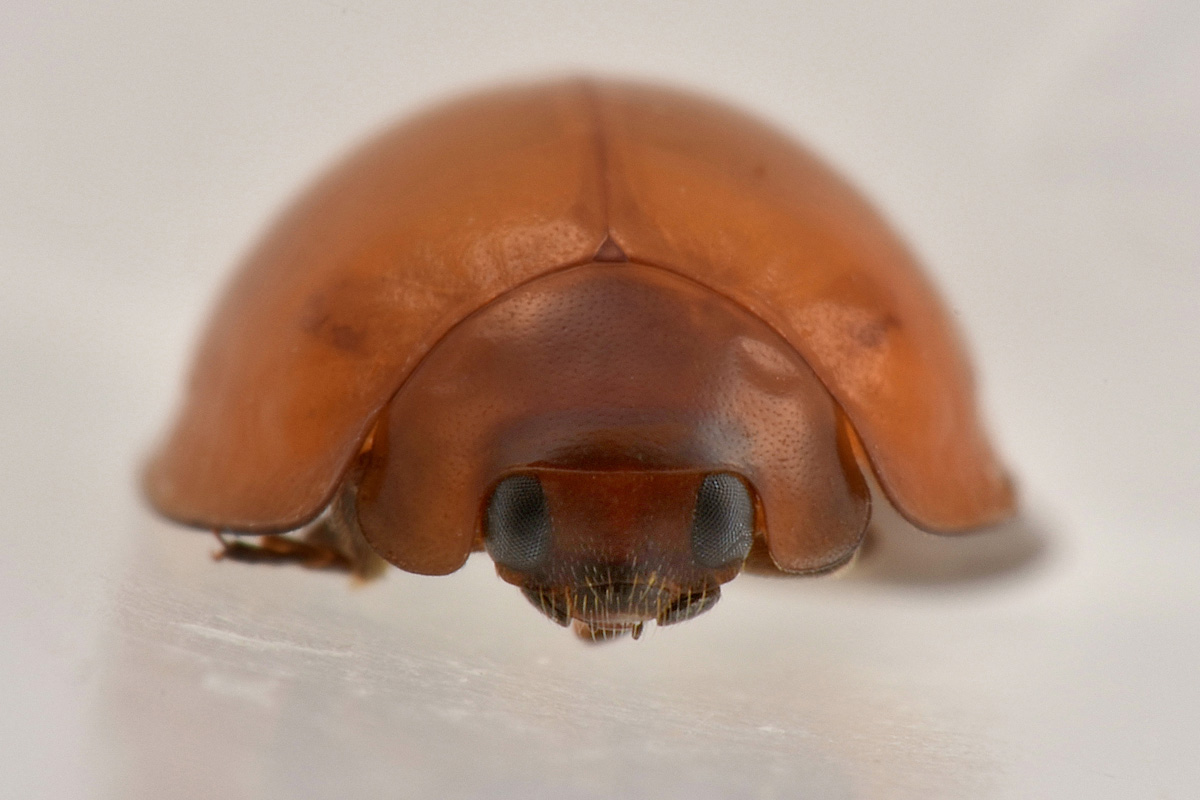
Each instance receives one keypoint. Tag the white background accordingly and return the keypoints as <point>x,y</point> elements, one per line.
<point>1043,158</point>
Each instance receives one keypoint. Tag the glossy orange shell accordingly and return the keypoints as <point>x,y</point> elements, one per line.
<point>443,214</point>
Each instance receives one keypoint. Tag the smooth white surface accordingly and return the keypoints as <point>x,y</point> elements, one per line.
<point>1042,157</point>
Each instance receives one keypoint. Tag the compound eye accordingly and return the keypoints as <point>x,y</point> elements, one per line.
<point>722,522</point>
<point>518,523</point>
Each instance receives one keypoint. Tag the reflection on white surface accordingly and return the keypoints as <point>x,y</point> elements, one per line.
<point>270,681</point>
<point>1041,157</point>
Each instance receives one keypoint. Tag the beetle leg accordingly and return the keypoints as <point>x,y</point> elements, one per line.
<point>340,530</point>
<point>345,542</point>
<point>332,542</point>
<point>275,549</point>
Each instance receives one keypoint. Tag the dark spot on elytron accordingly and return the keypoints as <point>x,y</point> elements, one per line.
<point>872,334</point>
<point>760,171</point>
<point>344,337</point>
<point>319,323</point>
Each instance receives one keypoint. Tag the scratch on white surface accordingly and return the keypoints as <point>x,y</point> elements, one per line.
<point>259,692</point>
<point>256,643</point>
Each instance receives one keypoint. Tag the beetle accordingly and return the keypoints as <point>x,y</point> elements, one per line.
<point>612,333</point>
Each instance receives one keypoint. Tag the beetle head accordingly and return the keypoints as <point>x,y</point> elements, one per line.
<point>613,549</point>
<point>615,435</point>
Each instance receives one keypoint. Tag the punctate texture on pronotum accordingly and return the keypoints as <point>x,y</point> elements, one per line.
<point>613,334</point>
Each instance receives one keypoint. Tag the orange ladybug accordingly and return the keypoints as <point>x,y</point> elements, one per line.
<point>610,333</point>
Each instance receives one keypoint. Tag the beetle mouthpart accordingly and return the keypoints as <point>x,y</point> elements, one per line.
<point>619,605</point>
<point>606,610</point>
<point>689,606</point>
<point>604,628</point>
<point>549,604</point>
<point>597,634</point>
